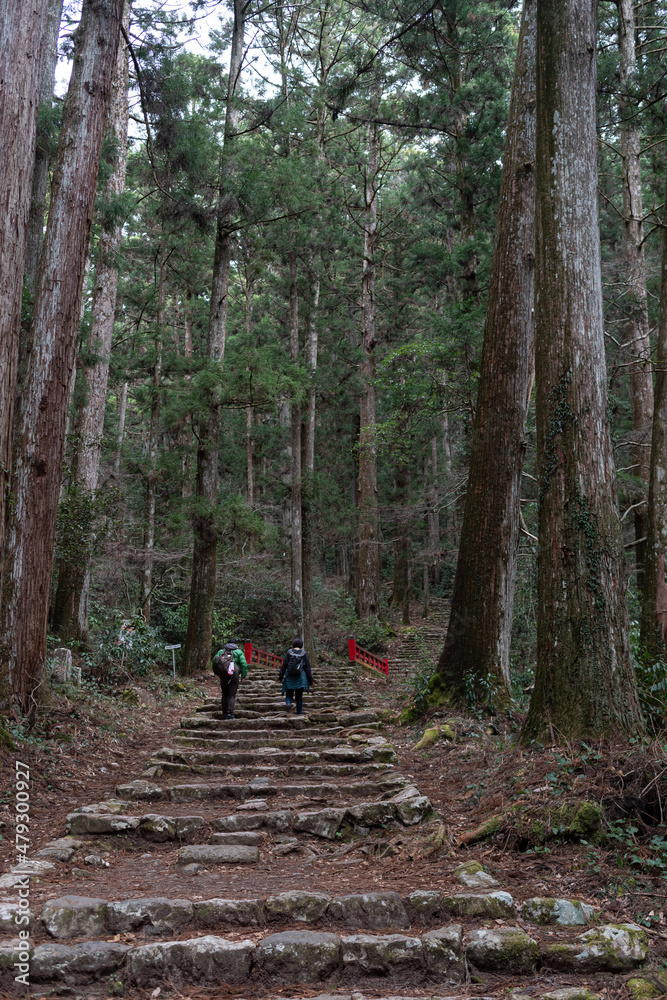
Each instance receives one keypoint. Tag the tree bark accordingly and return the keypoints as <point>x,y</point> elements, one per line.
<point>654,596</point>
<point>368,531</point>
<point>479,632</point>
<point>197,652</point>
<point>636,301</point>
<point>584,682</point>
<point>71,603</point>
<point>153,445</point>
<point>42,419</point>
<point>40,177</point>
<point>401,593</point>
<point>120,434</point>
<point>22,28</point>
<point>309,463</point>
<point>296,470</point>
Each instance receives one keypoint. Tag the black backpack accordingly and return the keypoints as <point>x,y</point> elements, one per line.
<point>295,662</point>
<point>222,662</point>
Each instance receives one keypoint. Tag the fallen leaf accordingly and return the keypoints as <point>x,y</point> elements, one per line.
<point>156,993</point>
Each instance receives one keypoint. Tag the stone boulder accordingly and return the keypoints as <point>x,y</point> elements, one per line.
<point>608,948</point>
<point>206,959</point>
<point>489,905</point>
<point>324,823</point>
<point>372,814</point>
<point>78,962</point>
<point>384,955</point>
<point>443,954</point>
<point>567,912</point>
<point>139,790</point>
<point>9,911</point>
<point>472,875</point>
<point>296,907</point>
<point>85,823</point>
<point>298,956</point>
<point>423,906</point>
<point>251,838</point>
<point>212,913</point>
<point>504,949</point>
<point>218,854</point>
<point>74,916</point>
<point>151,916</point>
<point>370,910</point>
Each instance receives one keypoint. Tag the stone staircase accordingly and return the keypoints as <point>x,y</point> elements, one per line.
<point>271,788</point>
<point>415,642</point>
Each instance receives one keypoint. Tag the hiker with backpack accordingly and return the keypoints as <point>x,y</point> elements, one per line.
<point>229,664</point>
<point>296,675</point>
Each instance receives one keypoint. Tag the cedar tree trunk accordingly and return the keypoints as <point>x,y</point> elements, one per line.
<point>42,421</point>
<point>197,652</point>
<point>584,682</point>
<point>636,302</point>
<point>654,596</point>
<point>480,626</point>
<point>368,531</point>
<point>22,28</point>
<point>309,463</point>
<point>71,604</point>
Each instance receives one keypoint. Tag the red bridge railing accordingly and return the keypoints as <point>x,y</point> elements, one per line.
<point>366,659</point>
<point>261,657</point>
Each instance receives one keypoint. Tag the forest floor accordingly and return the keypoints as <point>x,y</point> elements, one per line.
<point>91,740</point>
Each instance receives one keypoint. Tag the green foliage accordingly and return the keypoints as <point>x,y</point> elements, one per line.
<point>371,633</point>
<point>651,680</point>
<point>174,624</point>
<point>122,646</point>
<point>84,518</point>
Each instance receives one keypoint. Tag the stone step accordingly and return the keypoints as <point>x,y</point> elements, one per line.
<point>158,768</point>
<point>142,790</point>
<point>235,738</point>
<point>74,917</point>
<point>304,956</point>
<point>332,755</point>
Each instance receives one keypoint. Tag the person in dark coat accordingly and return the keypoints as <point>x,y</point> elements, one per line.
<point>296,675</point>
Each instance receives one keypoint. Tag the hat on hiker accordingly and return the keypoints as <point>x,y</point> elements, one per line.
<point>231,645</point>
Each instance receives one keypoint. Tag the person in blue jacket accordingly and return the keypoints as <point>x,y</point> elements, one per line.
<point>296,675</point>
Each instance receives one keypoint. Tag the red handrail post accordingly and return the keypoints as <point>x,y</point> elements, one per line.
<point>386,666</point>
<point>248,650</point>
<point>352,649</point>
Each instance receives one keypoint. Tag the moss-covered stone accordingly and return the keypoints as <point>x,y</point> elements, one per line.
<point>643,989</point>
<point>608,948</point>
<point>486,905</point>
<point>430,737</point>
<point>504,949</point>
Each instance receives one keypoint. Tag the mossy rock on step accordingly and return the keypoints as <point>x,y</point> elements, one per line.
<point>74,916</point>
<point>608,948</point>
<point>503,949</point>
<point>566,912</point>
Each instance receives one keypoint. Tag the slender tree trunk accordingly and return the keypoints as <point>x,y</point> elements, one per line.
<point>309,463</point>
<point>22,28</point>
<point>40,177</point>
<point>186,439</point>
<point>197,652</point>
<point>654,596</point>
<point>120,434</point>
<point>296,470</point>
<point>636,302</point>
<point>584,682</point>
<point>71,604</point>
<point>42,421</point>
<point>401,593</point>
<point>478,637</point>
<point>368,532</point>
<point>433,516</point>
<point>153,445</point>
<point>249,410</point>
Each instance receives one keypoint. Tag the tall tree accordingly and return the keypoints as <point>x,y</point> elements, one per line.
<point>42,421</point>
<point>480,625</point>
<point>22,27</point>
<point>654,596</point>
<point>71,603</point>
<point>584,682</point>
<point>636,299</point>
<point>40,177</point>
<point>368,530</point>
<point>197,652</point>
